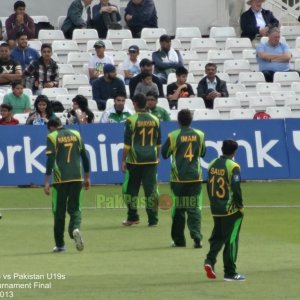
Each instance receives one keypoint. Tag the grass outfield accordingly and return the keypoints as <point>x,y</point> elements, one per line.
<point>137,263</point>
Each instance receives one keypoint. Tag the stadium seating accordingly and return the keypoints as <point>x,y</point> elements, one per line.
<point>85,91</point>
<point>63,48</point>
<point>286,78</point>
<point>241,113</point>
<point>97,116</point>
<point>280,97</point>
<point>219,57</point>
<point>224,105</point>
<point>233,88</point>
<point>73,82</point>
<point>206,114</point>
<point>279,112</point>
<point>77,60</point>
<point>190,103</point>
<point>48,36</point>
<point>220,34</point>
<point>244,97</point>
<point>90,46</point>
<point>52,93</point>
<point>265,88</point>
<point>261,103</point>
<point>202,46</point>
<point>82,36</point>
<point>21,118</point>
<point>250,79</point>
<point>185,34</point>
<point>237,45</point>
<point>164,103</point>
<point>150,35</point>
<point>141,43</point>
<point>116,37</point>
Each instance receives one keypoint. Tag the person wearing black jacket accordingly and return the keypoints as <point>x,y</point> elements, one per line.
<point>256,21</point>
<point>211,86</point>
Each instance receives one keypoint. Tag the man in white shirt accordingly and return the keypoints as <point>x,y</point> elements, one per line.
<point>98,61</point>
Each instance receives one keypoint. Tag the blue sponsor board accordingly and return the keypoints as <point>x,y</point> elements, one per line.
<point>269,149</point>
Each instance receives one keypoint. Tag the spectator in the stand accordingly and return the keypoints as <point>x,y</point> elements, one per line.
<point>273,55</point>
<point>19,22</point>
<point>6,115</point>
<point>146,85</point>
<point>42,113</point>
<point>180,88</point>
<point>23,53</point>
<point>80,112</point>
<point>166,60</point>
<point>140,14</point>
<point>105,16</point>
<point>131,65</point>
<point>256,21</point>
<point>19,101</point>
<point>211,86</point>
<point>107,86</point>
<point>44,70</point>
<point>10,70</point>
<point>146,66</point>
<point>79,16</point>
<point>159,112</point>
<point>119,112</point>
<point>98,61</point>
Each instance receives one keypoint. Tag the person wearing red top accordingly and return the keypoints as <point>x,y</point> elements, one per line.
<point>6,114</point>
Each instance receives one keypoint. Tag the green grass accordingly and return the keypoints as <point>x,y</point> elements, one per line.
<point>137,262</point>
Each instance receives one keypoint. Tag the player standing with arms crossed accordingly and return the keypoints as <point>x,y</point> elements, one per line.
<point>226,203</point>
<point>65,150</point>
<point>186,146</point>
<point>142,142</point>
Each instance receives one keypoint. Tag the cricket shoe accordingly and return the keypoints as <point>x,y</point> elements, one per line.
<point>78,240</point>
<point>198,244</point>
<point>129,223</point>
<point>210,273</point>
<point>59,249</point>
<point>236,277</point>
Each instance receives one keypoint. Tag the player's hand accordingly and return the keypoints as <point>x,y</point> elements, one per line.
<point>124,166</point>
<point>47,189</point>
<point>87,182</point>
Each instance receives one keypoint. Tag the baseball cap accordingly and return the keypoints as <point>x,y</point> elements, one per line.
<point>133,48</point>
<point>99,44</point>
<point>164,38</point>
<point>109,68</point>
<point>146,62</point>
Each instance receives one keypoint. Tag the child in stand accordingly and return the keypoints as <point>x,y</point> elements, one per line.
<point>6,114</point>
<point>146,85</point>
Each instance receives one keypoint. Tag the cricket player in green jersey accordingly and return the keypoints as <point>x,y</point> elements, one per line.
<point>186,145</point>
<point>65,150</point>
<point>159,112</point>
<point>226,203</point>
<point>142,142</point>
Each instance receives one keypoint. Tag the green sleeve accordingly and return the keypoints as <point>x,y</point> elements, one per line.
<point>128,134</point>
<point>50,164</point>
<point>165,150</point>
<point>158,143</point>
<point>167,116</point>
<point>236,188</point>
<point>85,160</point>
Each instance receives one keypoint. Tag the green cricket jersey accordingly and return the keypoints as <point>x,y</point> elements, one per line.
<point>223,187</point>
<point>110,115</point>
<point>143,138</point>
<point>186,145</point>
<point>64,150</point>
<point>160,113</point>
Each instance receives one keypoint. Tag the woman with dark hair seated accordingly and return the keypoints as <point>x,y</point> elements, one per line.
<point>42,111</point>
<point>80,113</point>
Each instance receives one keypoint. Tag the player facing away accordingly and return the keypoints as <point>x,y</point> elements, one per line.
<point>65,150</point>
<point>226,203</point>
<point>185,145</point>
<point>142,142</point>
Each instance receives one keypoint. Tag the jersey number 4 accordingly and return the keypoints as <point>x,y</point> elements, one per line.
<point>189,152</point>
